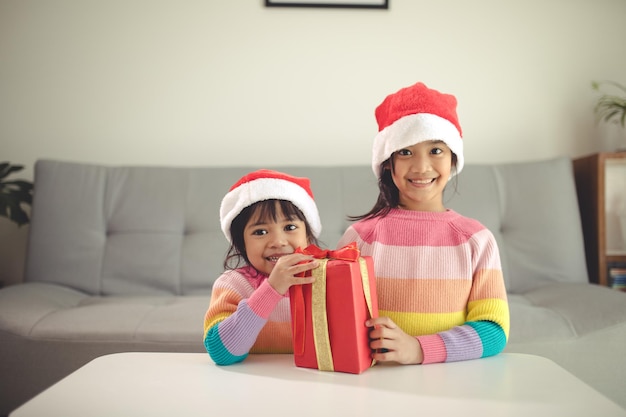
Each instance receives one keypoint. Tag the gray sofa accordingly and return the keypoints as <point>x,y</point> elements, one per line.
<point>123,258</point>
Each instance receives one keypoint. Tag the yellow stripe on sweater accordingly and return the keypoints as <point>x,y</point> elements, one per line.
<point>491,309</point>
<point>213,320</point>
<point>419,324</point>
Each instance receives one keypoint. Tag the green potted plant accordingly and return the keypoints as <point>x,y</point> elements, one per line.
<point>611,107</point>
<point>15,195</point>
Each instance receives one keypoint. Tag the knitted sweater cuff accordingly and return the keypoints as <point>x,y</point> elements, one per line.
<point>433,348</point>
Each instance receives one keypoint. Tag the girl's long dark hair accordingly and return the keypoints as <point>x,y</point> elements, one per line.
<point>237,256</point>
<point>388,193</point>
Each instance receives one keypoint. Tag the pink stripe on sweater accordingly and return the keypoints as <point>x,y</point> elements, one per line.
<point>263,301</point>
<point>433,348</point>
<point>419,228</point>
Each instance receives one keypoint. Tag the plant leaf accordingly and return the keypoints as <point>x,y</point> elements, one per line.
<point>6,169</point>
<point>14,195</point>
<point>13,210</point>
<point>610,106</point>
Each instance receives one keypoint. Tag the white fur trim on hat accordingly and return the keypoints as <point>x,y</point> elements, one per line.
<point>267,189</point>
<point>412,129</point>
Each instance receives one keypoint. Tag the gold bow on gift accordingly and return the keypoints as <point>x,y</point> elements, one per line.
<point>319,318</point>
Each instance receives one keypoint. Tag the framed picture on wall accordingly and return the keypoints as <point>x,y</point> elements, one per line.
<point>361,4</point>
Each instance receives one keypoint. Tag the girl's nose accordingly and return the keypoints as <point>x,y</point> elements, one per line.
<point>278,240</point>
<point>420,163</point>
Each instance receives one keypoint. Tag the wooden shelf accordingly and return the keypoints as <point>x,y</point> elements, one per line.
<point>590,173</point>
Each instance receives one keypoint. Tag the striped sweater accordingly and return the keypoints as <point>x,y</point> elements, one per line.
<point>246,315</point>
<point>438,276</point>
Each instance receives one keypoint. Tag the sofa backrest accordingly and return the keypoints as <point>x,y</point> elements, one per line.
<point>140,230</point>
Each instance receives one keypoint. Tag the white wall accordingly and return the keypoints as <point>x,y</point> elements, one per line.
<point>231,82</point>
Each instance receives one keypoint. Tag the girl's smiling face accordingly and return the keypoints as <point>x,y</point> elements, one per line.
<point>266,239</point>
<point>421,172</point>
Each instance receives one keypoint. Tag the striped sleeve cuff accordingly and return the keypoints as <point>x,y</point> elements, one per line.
<point>433,348</point>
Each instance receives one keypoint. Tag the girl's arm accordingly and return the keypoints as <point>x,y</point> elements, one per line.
<point>233,322</point>
<point>472,340</point>
<point>238,313</point>
<point>483,334</point>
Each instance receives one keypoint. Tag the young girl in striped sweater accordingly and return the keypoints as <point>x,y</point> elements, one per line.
<point>265,216</point>
<point>441,293</point>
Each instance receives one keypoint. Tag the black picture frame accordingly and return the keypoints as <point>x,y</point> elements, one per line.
<point>350,4</point>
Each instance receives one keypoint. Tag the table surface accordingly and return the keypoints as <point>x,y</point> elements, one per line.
<point>190,384</point>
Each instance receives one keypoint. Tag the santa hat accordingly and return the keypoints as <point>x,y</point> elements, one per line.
<point>263,185</point>
<point>416,114</point>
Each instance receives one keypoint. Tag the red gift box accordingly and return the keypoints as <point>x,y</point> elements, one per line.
<point>328,317</point>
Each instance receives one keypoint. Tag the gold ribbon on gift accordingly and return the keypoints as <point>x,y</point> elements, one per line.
<point>319,317</point>
<point>323,351</point>
<point>366,285</point>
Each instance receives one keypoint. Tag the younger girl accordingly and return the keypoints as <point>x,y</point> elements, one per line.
<point>265,216</point>
<point>441,293</point>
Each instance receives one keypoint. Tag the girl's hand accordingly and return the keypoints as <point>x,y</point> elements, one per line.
<point>391,344</point>
<point>287,267</point>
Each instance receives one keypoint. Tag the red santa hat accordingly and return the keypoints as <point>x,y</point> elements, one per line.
<point>266,184</point>
<point>416,114</point>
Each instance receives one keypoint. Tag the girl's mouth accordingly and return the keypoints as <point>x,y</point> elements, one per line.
<point>422,182</point>
<point>273,258</point>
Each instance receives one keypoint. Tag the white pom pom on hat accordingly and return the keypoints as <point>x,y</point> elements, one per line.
<point>266,184</point>
<point>416,114</point>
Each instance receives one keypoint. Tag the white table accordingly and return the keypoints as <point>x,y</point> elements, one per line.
<point>190,384</point>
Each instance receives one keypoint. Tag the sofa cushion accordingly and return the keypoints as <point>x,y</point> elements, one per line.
<point>53,312</point>
<point>554,312</point>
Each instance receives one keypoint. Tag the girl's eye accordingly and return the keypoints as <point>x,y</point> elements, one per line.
<point>404,152</point>
<point>291,227</point>
<point>436,151</point>
<point>259,232</point>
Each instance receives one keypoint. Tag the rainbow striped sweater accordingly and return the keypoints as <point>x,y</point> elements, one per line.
<point>439,277</point>
<point>246,315</point>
